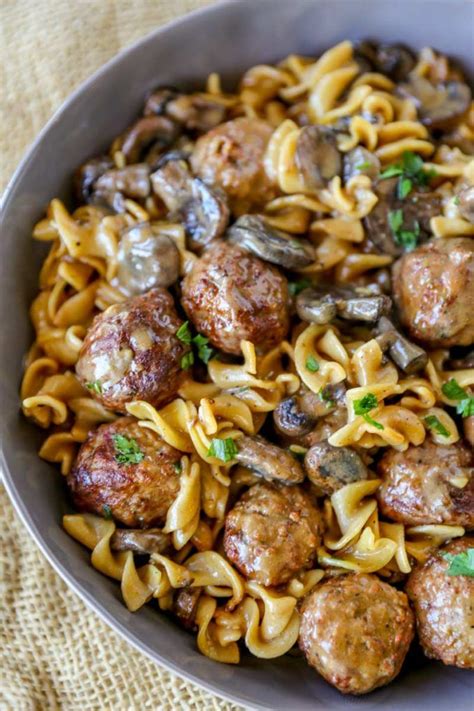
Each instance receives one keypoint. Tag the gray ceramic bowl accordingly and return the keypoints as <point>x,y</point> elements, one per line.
<point>228,38</point>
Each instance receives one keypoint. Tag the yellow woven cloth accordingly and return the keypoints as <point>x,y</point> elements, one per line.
<point>54,652</point>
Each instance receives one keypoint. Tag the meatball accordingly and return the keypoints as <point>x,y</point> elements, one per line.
<point>434,291</point>
<point>230,156</point>
<point>272,532</point>
<point>131,352</point>
<point>231,295</point>
<point>126,471</point>
<point>429,484</point>
<point>355,631</point>
<point>444,607</point>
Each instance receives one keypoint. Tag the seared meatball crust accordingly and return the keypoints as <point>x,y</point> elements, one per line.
<point>137,495</point>
<point>422,485</point>
<point>433,287</point>
<point>133,353</point>
<point>272,532</point>
<point>444,607</point>
<point>231,295</point>
<point>356,631</point>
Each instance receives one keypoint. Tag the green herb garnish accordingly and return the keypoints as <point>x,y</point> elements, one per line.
<point>95,386</point>
<point>312,364</point>
<point>294,287</point>
<point>178,467</point>
<point>184,333</point>
<point>187,360</point>
<point>404,187</point>
<point>456,200</point>
<point>410,171</point>
<point>204,351</point>
<point>434,424</point>
<point>364,406</point>
<point>405,238</point>
<point>454,391</point>
<point>461,563</point>
<point>223,449</point>
<point>297,454</point>
<point>326,398</point>
<point>127,450</point>
<point>363,166</point>
<point>107,512</point>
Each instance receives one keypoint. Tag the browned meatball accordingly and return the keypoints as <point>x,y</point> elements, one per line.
<point>444,607</point>
<point>231,157</point>
<point>131,352</point>
<point>428,484</point>
<point>231,295</point>
<point>355,631</point>
<point>272,532</point>
<point>126,471</point>
<point>434,291</point>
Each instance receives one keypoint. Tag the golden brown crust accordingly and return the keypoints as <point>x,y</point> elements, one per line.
<point>230,296</point>
<point>137,495</point>
<point>356,631</point>
<point>421,485</point>
<point>444,607</point>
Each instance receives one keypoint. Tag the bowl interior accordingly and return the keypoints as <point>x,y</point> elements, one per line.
<point>226,38</point>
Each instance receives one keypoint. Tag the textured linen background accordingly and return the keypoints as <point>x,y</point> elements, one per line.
<point>54,652</point>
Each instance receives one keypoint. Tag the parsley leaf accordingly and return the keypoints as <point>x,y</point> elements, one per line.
<point>434,424</point>
<point>326,398</point>
<point>204,351</point>
<point>364,165</point>
<point>461,563</point>
<point>127,450</point>
<point>456,200</point>
<point>187,360</point>
<point>411,171</point>
<point>405,238</point>
<point>454,391</point>
<point>364,406</point>
<point>184,333</point>
<point>294,287</point>
<point>404,187</point>
<point>391,172</point>
<point>395,219</point>
<point>107,511</point>
<point>312,364</point>
<point>95,386</point>
<point>223,449</point>
<point>466,407</point>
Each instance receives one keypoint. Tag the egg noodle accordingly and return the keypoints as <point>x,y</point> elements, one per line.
<point>78,280</point>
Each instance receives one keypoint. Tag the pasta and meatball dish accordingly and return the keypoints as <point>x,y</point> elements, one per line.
<point>253,360</point>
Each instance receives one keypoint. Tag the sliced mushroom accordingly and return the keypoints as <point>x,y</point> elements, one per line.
<point>146,131</point>
<point>196,112</point>
<point>252,233</point>
<point>417,210</point>
<point>133,181</point>
<point>360,161</point>
<point>157,101</point>
<point>364,54</point>
<point>323,303</point>
<point>438,106</point>
<point>407,355</point>
<point>153,540</point>
<point>203,210</point>
<point>316,156</point>
<point>185,606</point>
<point>269,461</point>
<point>146,259</point>
<point>394,60</point>
<point>291,420</point>
<point>461,359</point>
<point>86,176</point>
<point>330,468</point>
<point>466,203</point>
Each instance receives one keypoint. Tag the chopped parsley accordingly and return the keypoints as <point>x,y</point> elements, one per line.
<point>187,360</point>
<point>410,171</point>
<point>461,563</point>
<point>204,352</point>
<point>107,511</point>
<point>312,364</point>
<point>405,238</point>
<point>127,450</point>
<point>454,391</point>
<point>95,386</point>
<point>223,449</point>
<point>178,467</point>
<point>184,333</point>
<point>294,287</point>
<point>364,406</point>
<point>433,423</point>
<point>456,200</point>
<point>363,166</point>
<point>326,398</point>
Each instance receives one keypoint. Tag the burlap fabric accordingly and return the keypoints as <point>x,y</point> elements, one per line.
<point>54,652</point>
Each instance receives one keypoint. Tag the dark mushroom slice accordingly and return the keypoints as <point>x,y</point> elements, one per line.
<point>330,468</point>
<point>185,606</point>
<point>114,186</point>
<point>407,355</point>
<point>291,420</point>
<point>461,360</point>
<point>153,540</point>
<point>196,112</point>
<point>317,156</point>
<point>360,161</point>
<point>86,176</point>
<point>466,203</point>
<point>439,106</point>
<point>417,210</point>
<point>146,259</point>
<point>202,209</point>
<point>251,232</point>
<point>323,303</point>
<point>149,130</point>
<point>269,461</point>
<point>364,54</point>
<point>157,101</point>
<point>394,60</point>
